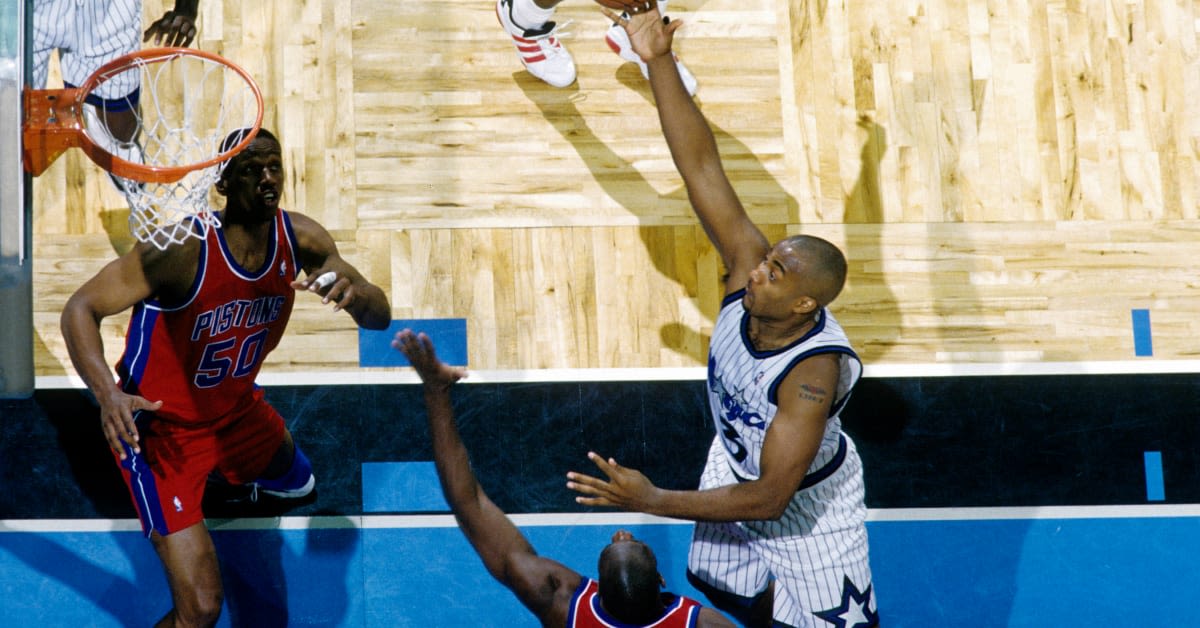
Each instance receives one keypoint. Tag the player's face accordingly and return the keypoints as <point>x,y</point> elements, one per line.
<point>253,180</point>
<point>775,284</point>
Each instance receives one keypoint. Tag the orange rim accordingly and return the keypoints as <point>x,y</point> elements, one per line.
<point>47,135</point>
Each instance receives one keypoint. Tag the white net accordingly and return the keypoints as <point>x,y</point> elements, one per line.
<point>188,105</point>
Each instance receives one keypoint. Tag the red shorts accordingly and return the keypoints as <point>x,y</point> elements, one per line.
<point>166,480</point>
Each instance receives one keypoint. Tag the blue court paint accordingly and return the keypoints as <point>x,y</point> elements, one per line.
<point>1142,346</point>
<point>1011,573</point>
<point>1154,477</point>
<point>403,487</point>
<point>449,335</point>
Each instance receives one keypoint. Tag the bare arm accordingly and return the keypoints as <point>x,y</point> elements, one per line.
<point>710,618</point>
<point>791,444</point>
<point>544,586</point>
<point>134,276</point>
<point>739,242</point>
<point>365,301</point>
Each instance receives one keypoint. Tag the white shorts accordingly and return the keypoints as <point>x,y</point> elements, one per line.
<point>817,551</point>
<point>87,34</point>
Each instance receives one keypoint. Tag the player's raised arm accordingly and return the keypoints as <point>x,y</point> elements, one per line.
<point>538,582</point>
<point>739,242</point>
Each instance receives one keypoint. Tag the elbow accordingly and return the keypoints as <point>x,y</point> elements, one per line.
<point>774,509</point>
<point>771,506</point>
<point>71,312</point>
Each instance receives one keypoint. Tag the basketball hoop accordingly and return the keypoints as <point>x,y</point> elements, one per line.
<point>188,103</point>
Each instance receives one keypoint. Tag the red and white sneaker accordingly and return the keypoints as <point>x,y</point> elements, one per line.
<point>538,48</point>
<point>618,40</point>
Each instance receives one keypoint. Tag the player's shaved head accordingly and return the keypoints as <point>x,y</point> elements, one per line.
<point>819,262</point>
<point>630,582</point>
<point>235,137</point>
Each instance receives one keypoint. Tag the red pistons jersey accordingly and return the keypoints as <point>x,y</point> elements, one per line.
<point>586,611</point>
<point>201,357</point>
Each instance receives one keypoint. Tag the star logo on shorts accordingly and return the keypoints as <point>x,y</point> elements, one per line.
<point>855,609</point>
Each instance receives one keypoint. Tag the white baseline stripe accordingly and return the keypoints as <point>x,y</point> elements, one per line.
<point>408,376</point>
<point>610,519</point>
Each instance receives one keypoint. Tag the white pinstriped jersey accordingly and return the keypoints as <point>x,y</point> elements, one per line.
<point>743,383</point>
<point>87,34</point>
<point>817,551</point>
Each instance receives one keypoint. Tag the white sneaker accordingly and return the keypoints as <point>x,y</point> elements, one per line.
<point>284,493</point>
<point>538,49</point>
<point>618,40</point>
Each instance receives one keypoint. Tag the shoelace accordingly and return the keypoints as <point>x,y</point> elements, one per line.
<point>556,32</point>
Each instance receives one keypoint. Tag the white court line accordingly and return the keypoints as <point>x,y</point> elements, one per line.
<point>408,376</point>
<point>384,522</point>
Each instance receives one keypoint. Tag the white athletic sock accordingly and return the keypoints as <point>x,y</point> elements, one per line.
<point>530,16</point>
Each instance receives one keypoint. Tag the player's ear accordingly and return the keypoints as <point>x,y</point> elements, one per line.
<point>805,305</point>
<point>221,188</point>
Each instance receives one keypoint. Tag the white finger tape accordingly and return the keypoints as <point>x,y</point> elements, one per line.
<point>325,280</point>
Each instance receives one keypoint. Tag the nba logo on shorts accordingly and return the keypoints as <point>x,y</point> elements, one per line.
<point>178,504</point>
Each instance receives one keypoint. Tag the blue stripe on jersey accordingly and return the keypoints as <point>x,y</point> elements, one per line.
<point>818,327</point>
<point>814,478</point>
<point>773,390</point>
<point>292,243</point>
<point>145,491</point>
<point>137,345</point>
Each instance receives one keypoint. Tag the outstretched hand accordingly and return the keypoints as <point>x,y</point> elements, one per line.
<point>418,348</point>
<point>649,34</point>
<point>174,28</point>
<point>626,488</point>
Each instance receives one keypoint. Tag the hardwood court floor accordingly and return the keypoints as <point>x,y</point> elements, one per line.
<point>1008,178</point>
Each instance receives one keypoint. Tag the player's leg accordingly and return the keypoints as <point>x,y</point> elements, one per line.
<point>102,30</point>
<point>289,474</point>
<point>817,552</point>
<point>754,611</point>
<point>50,33</point>
<point>166,483</point>
<point>721,561</point>
<point>535,36</point>
<point>258,450</point>
<point>193,574</point>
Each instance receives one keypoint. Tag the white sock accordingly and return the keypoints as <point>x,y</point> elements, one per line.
<point>530,16</point>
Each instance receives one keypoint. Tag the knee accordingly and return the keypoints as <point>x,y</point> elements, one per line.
<point>199,607</point>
